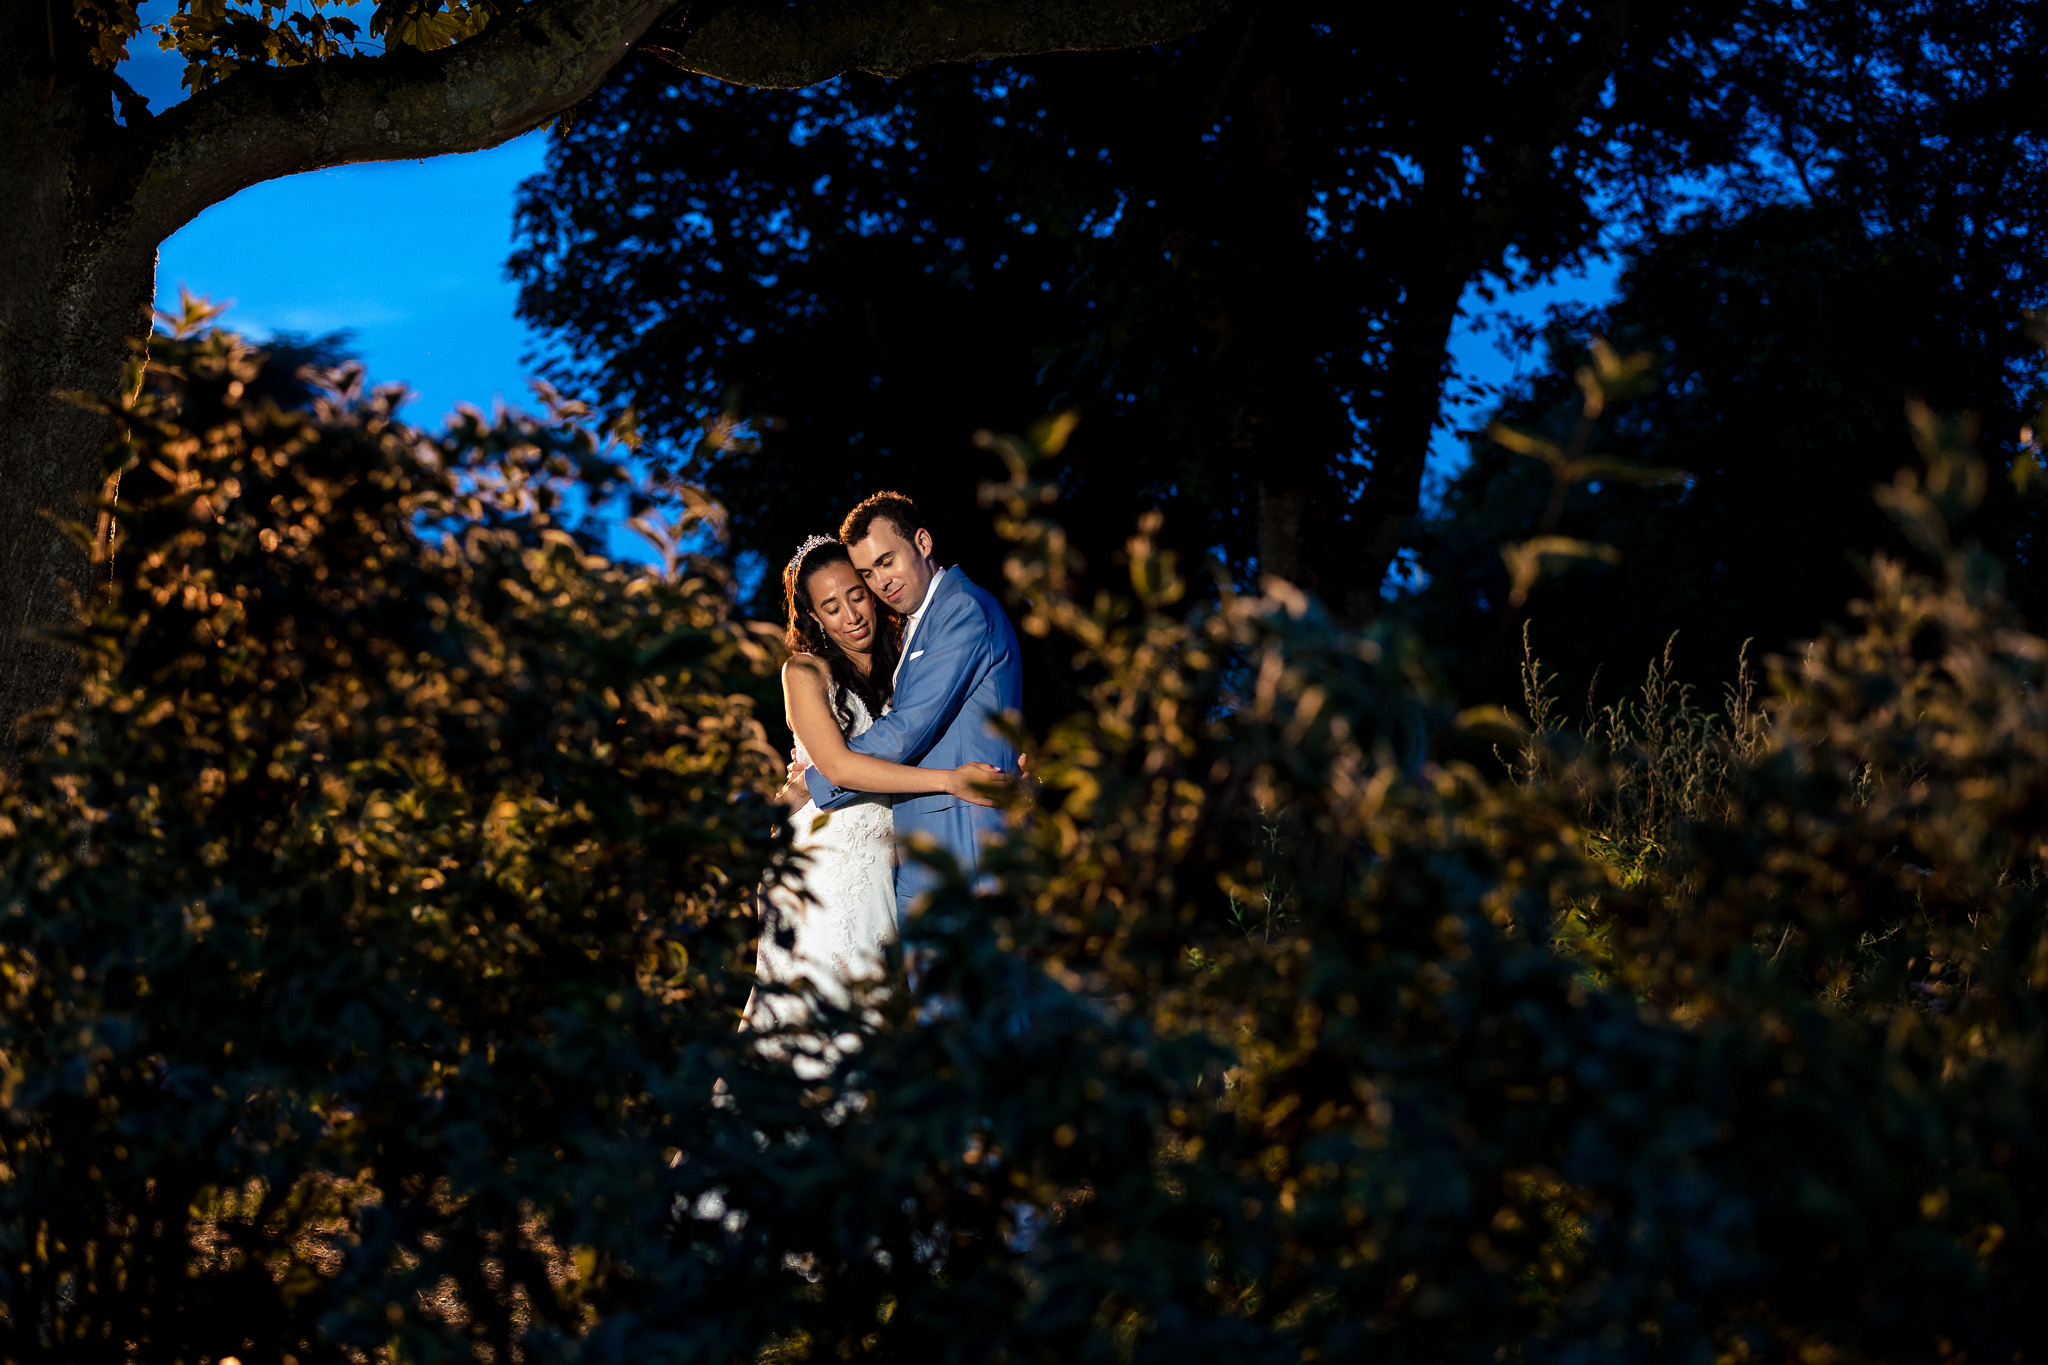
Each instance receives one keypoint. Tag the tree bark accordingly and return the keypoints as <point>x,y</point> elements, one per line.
<point>90,197</point>
<point>1419,352</point>
<point>769,44</point>
<point>72,293</point>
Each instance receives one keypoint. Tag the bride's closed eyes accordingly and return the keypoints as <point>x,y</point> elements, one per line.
<point>842,605</point>
<point>836,606</point>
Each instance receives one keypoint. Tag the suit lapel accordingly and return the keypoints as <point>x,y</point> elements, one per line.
<point>942,586</point>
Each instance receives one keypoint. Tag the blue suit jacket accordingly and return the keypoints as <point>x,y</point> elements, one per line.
<point>961,673</point>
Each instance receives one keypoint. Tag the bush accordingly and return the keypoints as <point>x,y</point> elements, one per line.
<point>378,921</point>
<point>350,906</point>
<point>1787,1115</point>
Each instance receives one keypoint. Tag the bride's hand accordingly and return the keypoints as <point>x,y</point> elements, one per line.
<point>963,780</point>
<point>795,791</point>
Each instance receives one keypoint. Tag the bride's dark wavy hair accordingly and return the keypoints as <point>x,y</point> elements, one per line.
<point>804,635</point>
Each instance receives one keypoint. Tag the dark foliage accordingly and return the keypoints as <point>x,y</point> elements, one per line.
<point>289,360</point>
<point>1787,344</point>
<point>375,930</point>
<point>1239,258</point>
<point>1879,247</point>
<point>349,902</point>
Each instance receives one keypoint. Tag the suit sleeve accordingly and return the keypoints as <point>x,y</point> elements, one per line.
<point>956,649</point>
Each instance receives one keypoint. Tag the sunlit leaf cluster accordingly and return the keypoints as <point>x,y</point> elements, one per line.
<point>217,37</point>
<point>359,912</point>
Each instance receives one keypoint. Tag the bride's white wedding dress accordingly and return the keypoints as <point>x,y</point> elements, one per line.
<point>842,913</point>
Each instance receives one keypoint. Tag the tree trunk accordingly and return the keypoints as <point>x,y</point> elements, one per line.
<point>69,331</point>
<point>1419,360</point>
<point>75,287</point>
<point>1280,518</point>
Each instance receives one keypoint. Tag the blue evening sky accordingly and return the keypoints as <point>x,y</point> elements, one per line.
<point>409,256</point>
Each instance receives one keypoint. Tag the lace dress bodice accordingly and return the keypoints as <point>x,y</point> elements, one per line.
<point>858,818</point>
<point>842,915</point>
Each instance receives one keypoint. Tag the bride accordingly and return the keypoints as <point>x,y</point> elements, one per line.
<point>831,929</point>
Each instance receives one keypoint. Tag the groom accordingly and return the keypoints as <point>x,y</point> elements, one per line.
<point>959,670</point>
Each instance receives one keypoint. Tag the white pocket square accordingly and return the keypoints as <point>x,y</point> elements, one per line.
<point>915,654</point>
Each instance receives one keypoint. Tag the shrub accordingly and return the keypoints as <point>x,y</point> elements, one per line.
<point>348,908</point>
<point>378,920</point>
<point>1790,1118</point>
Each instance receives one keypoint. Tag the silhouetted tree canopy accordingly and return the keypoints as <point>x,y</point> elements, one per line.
<point>1883,244</point>
<point>1240,257</point>
<point>1788,341</point>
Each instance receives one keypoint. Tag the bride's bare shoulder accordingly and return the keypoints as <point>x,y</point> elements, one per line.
<point>808,667</point>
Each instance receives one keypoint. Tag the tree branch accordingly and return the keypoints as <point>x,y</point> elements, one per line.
<point>264,122</point>
<point>769,43</point>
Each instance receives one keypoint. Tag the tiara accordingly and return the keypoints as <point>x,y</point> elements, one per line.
<point>813,543</point>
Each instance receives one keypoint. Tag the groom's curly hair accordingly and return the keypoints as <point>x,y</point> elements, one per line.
<point>899,511</point>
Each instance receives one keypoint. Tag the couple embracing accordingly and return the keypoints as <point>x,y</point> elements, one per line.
<point>898,670</point>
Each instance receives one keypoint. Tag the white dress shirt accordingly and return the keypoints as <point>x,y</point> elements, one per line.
<point>910,631</point>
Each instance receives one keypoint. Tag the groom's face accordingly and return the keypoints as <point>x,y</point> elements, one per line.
<point>897,567</point>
